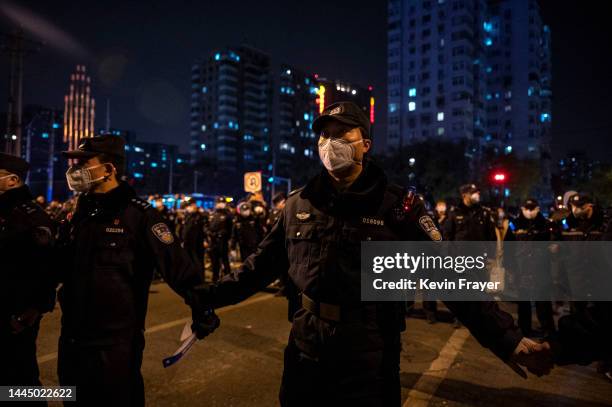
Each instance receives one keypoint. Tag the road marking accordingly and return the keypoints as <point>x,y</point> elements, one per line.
<point>161,327</point>
<point>428,383</point>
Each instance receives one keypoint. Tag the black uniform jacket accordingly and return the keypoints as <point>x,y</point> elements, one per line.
<point>26,243</point>
<point>317,241</point>
<point>110,248</point>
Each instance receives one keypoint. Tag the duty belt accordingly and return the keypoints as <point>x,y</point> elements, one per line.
<point>337,313</point>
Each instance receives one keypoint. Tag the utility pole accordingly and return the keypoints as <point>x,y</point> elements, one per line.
<point>16,46</point>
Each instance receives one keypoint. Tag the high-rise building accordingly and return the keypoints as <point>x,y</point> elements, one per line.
<point>231,110</point>
<point>79,109</point>
<point>472,69</point>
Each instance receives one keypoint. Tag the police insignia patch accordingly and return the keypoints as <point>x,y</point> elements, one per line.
<point>302,215</point>
<point>162,232</point>
<point>429,227</point>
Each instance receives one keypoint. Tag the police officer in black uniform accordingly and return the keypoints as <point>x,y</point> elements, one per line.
<point>218,233</point>
<point>193,233</point>
<point>342,351</point>
<point>531,226</point>
<point>278,202</point>
<point>470,221</point>
<point>248,229</point>
<point>109,250</point>
<point>27,290</point>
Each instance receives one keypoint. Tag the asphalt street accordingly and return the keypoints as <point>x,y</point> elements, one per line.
<point>241,363</point>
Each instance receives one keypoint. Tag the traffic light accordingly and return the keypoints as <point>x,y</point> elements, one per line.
<point>499,177</point>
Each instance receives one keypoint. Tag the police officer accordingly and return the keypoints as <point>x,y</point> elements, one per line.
<point>342,351</point>
<point>193,233</point>
<point>218,233</point>
<point>531,226</point>
<point>109,248</point>
<point>470,221</point>
<point>278,201</point>
<point>27,290</point>
<point>249,228</point>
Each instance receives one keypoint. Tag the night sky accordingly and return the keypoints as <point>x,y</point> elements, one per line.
<point>140,56</point>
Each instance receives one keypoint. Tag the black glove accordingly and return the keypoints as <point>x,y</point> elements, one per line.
<point>205,321</point>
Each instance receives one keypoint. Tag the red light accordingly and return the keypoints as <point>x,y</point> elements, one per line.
<point>370,88</point>
<point>316,76</point>
<point>499,177</point>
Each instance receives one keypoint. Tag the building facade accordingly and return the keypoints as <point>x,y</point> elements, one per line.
<point>231,110</point>
<point>469,69</point>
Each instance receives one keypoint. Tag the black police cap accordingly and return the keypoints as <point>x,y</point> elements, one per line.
<point>530,204</point>
<point>344,112</point>
<point>468,189</point>
<point>581,199</point>
<point>92,146</point>
<point>14,165</point>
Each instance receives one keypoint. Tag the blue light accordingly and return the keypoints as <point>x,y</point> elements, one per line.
<point>266,148</point>
<point>506,192</point>
<point>306,116</point>
<point>412,92</point>
<point>307,81</point>
<point>138,175</point>
<point>488,27</point>
<point>488,137</point>
<point>561,162</point>
<point>56,125</point>
<point>313,90</point>
<point>45,135</point>
<point>508,149</point>
<point>288,72</point>
<point>216,125</point>
<point>489,69</point>
<point>544,117</point>
<point>271,179</point>
<point>154,165</point>
<point>204,89</point>
<point>202,147</point>
<point>488,42</point>
<point>230,125</point>
<point>217,57</point>
<point>178,160</point>
<point>476,61</point>
<point>488,96</point>
<point>127,148</point>
<point>282,89</point>
<point>530,91</point>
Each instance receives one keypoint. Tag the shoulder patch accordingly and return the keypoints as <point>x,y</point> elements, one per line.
<point>140,203</point>
<point>163,233</point>
<point>429,227</point>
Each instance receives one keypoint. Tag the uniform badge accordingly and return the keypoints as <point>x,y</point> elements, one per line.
<point>162,232</point>
<point>302,215</point>
<point>429,227</point>
<point>336,110</point>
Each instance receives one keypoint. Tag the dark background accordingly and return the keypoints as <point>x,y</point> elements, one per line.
<point>140,56</point>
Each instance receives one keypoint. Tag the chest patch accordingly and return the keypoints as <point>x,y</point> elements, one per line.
<point>302,215</point>
<point>162,232</point>
<point>114,230</point>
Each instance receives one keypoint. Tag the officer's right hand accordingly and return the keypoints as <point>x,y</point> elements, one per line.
<point>204,322</point>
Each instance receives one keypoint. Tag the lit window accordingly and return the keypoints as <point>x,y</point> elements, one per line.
<point>203,127</point>
<point>488,42</point>
<point>288,71</point>
<point>544,117</point>
<point>306,116</point>
<point>178,160</point>
<point>202,147</point>
<point>508,149</point>
<point>489,69</point>
<point>411,106</point>
<point>488,27</point>
<point>392,107</point>
<point>412,92</point>
<point>154,164</point>
<point>204,89</point>
<point>216,125</point>
<point>217,57</point>
<point>508,108</point>
<point>440,116</point>
<point>45,135</point>
<point>354,92</point>
<point>440,131</point>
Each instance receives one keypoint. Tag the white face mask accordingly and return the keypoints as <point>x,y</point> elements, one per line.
<point>81,179</point>
<point>6,176</point>
<point>337,154</point>
<point>475,198</point>
<point>530,213</point>
<point>441,209</point>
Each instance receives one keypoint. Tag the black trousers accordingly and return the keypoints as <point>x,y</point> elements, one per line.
<point>544,312</point>
<point>364,379</point>
<point>103,375</point>
<point>219,255</point>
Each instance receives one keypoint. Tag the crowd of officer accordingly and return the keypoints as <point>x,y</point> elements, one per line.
<point>100,251</point>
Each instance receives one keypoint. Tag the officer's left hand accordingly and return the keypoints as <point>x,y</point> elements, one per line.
<point>204,322</point>
<point>24,320</point>
<point>536,357</point>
